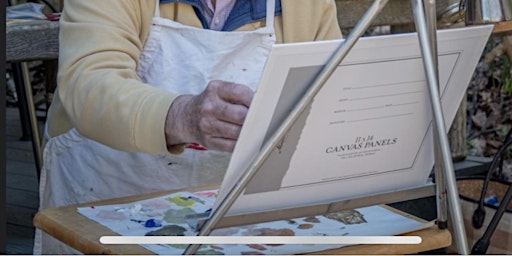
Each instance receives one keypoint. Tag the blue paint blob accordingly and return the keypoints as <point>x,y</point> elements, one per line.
<point>151,223</point>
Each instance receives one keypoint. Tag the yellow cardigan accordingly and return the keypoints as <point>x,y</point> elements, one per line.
<point>98,90</point>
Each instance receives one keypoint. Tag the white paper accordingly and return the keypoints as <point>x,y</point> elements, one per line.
<point>367,131</point>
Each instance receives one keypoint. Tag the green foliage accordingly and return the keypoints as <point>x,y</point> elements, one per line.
<point>506,86</point>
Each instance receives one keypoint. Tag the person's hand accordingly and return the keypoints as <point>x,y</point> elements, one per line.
<point>213,118</point>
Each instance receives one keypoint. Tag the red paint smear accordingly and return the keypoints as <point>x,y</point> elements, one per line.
<point>196,146</point>
<point>252,253</point>
<point>274,245</point>
<point>206,194</point>
<point>257,247</point>
<point>216,247</point>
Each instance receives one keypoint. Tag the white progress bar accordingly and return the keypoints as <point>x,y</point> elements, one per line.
<point>260,240</point>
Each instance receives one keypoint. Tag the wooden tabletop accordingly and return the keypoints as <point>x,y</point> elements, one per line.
<point>83,234</point>
<point>502,28</point>
<point>27,40</point>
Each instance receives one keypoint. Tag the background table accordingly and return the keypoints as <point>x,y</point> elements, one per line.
<point>32,40</point>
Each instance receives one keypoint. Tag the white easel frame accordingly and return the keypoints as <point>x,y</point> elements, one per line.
<point>425,20</point>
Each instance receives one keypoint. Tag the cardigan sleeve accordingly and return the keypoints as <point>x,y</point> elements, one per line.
<point>308,20</point>
<point>98,88</point>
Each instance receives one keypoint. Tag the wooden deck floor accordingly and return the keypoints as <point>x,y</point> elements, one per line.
<point>22,187</point>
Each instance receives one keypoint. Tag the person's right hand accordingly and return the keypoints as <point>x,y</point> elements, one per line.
<point>213,118</point>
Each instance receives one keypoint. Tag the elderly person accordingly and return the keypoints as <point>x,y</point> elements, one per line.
<point>152,94</point>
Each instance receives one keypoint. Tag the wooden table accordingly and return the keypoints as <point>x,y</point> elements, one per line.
<point>31,40</point>
<point>83,234</point>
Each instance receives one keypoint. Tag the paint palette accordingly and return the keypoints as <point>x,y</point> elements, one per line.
<point>166,216</point>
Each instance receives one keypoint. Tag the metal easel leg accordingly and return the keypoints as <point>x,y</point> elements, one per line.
<point>307,98</point>
<point>442,206</point>
<point>430,66</point>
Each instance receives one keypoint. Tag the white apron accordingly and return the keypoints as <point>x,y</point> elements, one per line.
<point>180,59</point>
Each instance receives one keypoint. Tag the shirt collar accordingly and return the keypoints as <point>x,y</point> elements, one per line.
<point>244,11</point>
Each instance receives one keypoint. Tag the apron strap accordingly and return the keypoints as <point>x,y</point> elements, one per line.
<point>269,20</point>
<point>156,14</point>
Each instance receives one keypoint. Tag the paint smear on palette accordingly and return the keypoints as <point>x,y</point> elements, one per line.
<point>257,247</point>
<point>225,231</point>
<point>156,204</point>
<point>168,230</point>
<point>208,194</point>
<point>312,219</point>
<point>252,253</point>
<point>209,252</point>
<point>269,232</point>
<point>275,232</point>
<point>305,226</point>
<point>184,201</point>
<point>111,215</point>
<point>132,210</point>
<point>216,247</point>
<point>179,246</point>
<point>177,216</point>
<point>347,217</point>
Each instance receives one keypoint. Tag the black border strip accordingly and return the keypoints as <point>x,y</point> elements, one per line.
<point>3,182</point>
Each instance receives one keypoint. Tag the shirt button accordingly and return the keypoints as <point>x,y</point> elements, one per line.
<point>216,22</point>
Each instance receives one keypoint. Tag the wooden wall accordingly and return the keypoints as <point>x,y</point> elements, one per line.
<point>396,12</point>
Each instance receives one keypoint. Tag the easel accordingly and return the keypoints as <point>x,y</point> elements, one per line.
<point>424,16</point>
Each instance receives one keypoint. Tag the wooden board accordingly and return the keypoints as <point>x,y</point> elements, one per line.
<point>31,40</point>
<point>503,28</point>
<point>396,12</point>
